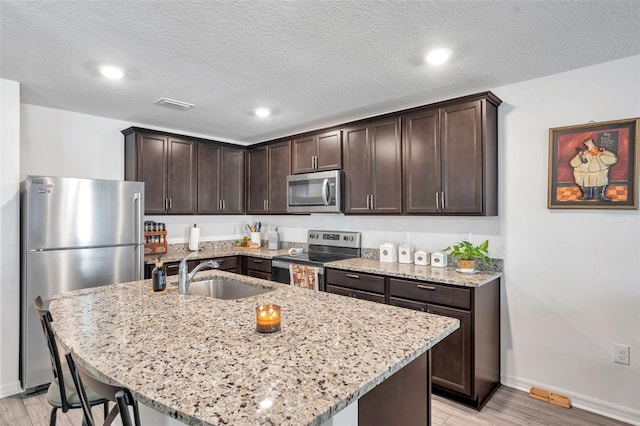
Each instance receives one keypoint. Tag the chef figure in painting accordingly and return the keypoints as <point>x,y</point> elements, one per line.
<point>591,170</point>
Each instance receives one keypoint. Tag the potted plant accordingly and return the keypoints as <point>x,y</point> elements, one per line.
<point>467,254</point>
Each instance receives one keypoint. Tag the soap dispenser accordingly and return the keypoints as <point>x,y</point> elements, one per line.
<point>159,276</point>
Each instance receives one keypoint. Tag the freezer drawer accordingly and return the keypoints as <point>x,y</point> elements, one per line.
<point>51,272</point>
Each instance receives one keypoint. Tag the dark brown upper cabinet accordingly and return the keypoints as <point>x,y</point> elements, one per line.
<point>267,170</point>
<point>220,179</point>
<point>316,152</point>
<point>450,158</point>
<point>372,167</point>
<point>167,166</point>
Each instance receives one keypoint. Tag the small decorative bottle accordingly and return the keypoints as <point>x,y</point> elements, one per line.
<point>159,276</point>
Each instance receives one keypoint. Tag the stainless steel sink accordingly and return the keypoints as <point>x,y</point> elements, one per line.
<point>226,288</point>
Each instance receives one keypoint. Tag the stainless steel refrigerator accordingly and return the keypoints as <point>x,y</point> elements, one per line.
<point>76,233</point>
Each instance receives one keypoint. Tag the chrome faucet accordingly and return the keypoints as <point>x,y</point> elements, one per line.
<point>185,278</point>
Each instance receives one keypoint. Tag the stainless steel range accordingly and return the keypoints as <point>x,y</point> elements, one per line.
<point>324,246</point>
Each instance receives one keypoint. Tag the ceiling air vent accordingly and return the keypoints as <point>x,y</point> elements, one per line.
<point>174,104</point>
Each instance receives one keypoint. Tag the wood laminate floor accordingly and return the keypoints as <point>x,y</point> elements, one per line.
<point>507,407</point>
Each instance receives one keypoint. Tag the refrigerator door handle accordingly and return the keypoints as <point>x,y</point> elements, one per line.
<point>137,220</point>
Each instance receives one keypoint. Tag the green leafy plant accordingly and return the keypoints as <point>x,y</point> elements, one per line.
<point>466,251</point>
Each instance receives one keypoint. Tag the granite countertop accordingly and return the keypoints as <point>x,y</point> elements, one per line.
<point>447,275</point>
<point>200,360</point>
<point>261,252</point>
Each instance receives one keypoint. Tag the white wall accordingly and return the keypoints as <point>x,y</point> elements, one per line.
<point>571,287</point>
<point>9,235</point>
<point>572,277</point>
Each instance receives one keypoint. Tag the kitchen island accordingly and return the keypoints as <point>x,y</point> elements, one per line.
<point>200,360</point>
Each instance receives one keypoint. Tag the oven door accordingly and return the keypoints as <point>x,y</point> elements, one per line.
<point>280,272</point>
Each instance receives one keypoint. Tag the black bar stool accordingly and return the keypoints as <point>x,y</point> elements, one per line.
<point>62,393</point>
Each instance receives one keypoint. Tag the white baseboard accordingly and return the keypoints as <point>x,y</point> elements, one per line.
<point>10,389</point>
<point>580,401</point>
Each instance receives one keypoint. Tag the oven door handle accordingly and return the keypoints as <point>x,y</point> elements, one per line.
<point>280,264</point>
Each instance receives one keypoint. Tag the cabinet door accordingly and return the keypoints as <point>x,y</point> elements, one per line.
<point>232,181</point>
<point>279,159</point>
<point>462,158</point>
<point>452,357</point>
<point>208,178</point>
<point>357,169</point>
<point>386,166</point>
<point>152,170</point>
<point>303,151</point>
<point>329,151</point>
<point>182,177</point>
<point>257,180</point>
<point>357,294</point>
<point>421,161</point>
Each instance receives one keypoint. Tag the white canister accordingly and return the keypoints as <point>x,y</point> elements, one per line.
<point>389,252</point>
<point>255,238</point>
<point>405,253</point>
<point>438,260</point>
<point>421,257</point>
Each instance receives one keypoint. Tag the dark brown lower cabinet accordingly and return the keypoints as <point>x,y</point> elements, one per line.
<point>466,364</point>
<point>257,267</point>
<point>227,263</point>
<point>402,399</point>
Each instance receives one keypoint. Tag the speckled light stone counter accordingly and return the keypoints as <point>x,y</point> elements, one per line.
<point>261,252</point>
<point>446,275</point>
<point>200,360</point>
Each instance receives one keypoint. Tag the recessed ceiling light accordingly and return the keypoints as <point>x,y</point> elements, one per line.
<point>173,103</point>
<point>438,56</point>
<point>111,72</point>
<point>262,112</point>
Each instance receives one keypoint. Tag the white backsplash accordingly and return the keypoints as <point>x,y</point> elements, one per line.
<point>424,232</point>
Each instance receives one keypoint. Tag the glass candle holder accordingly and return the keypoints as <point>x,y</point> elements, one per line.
<point>268,318</point>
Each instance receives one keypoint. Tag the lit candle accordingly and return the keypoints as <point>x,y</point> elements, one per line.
<point>268,318</point>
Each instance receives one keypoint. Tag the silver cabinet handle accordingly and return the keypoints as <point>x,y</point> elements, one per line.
<point>425,287</point>
<point>437,201</point>
<point>169,203</point>
<point>368,202</point>
<point>256,261</point>
<point>264,205</point>
<point>223,206</point>
<point>357,277</point>
<point>267,209</point>
<point>165,205</point>
<point>316,161</point>
<point>442,198</point>
<point>373,202</point>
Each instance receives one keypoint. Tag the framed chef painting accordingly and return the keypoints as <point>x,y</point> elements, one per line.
<point>594,166</point>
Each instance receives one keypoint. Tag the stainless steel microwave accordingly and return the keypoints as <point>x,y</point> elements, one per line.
<point>320,192</point>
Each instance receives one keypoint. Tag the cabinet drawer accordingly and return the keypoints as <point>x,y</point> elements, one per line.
<point>429,292</point>
<point>172,268</point>
<point>343,291</point>
<point>229,263</point>
<point>359,281</point>
<point>258,264</point>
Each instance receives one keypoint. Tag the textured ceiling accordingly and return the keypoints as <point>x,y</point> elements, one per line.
<point>314,63</point>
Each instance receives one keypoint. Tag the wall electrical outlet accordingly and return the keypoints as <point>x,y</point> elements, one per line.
<point>621,354</point>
